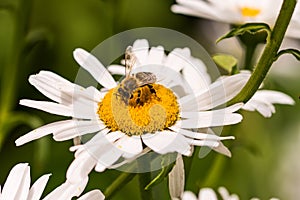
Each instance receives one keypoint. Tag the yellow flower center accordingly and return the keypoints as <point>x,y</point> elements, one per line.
<point>249,12</point>
<point>149,108</point>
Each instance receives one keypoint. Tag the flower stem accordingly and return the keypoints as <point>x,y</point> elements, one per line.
<point>121,181</point>
<point>215,171</point>
<point>250,49</point>
<point>144,180</point>
<point>269,53</point>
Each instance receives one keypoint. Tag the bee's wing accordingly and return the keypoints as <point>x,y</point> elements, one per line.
<point>90,63</point>
<point>130,60</point>
<point>145,78</point>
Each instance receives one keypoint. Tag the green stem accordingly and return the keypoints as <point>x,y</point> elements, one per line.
<point>120,182</point>
<point>269,53</point>
<point>214,173</point>
<point>11,63</point>
<point>250,49</point>
<point>188,162</point>
<point>144,180</point>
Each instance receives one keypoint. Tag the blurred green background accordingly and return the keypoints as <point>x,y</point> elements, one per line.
<point>41,35</point>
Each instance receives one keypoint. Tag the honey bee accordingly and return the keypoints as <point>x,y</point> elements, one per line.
<point>131,82</point>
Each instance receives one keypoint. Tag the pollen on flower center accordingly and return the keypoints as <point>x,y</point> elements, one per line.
<point>249,12</point>
<point>150,108</point>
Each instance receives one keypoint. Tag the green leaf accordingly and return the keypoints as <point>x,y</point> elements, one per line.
<point>226,62</point>
<point>250,28</point>
<point>164,171</point>
<point>294,52</point>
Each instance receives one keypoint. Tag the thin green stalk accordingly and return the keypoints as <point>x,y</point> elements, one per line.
<point>269,53</point>
<point>118,183</point>
<point>215,171</point>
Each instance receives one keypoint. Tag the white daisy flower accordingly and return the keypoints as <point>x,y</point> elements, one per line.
<point>209,194</point>
<point>176,187</point>
<point>171,115</point>
<point>17,186</point>
<point>237,12</point>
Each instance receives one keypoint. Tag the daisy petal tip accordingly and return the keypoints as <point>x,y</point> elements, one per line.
<point>21,102</point>
<point>18,143</point>
<point>80,55</point>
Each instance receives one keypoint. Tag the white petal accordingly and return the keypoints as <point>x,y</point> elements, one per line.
<point>166,142</point>
<point>156,55</point>
<point>200,114</point>
<point>202,9</point>
<point>68,190</point>
<point>58,129</point>
<point>274,97</point>
<point>38,187</point>
<point>108,157</point>
<point>116,69</point>
<point>96,94</point>
<point>225,194</point>
<point>263,101</point>
<point>196,75</point>
<point>51,87</point>
<point>17,183</point>
<point>187,195</point>
<point>264,109</point>
<point>90,63</point>
<point>77,92</point>
<point>207,194</point>
<point>108,152</point>
<point>89,154</point>
<point>206,143</point>
<point>200,136</point>
<point>218,93</point>
<point>140,49</point>
<point>49,107</point>
<point>84,109</point>
<point>119,164</point>
<point>221,148</point>
<point>211,119</point>
<point>81,166</point>
<point>176,178</point>
<point>78,128</point>
<point>93,195</point>
<point>100,167</point>
<point>177,59</point>
<point>130,146</point>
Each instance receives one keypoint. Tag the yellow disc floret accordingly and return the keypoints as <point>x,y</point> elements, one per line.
<point>249,12</point>
<point>150,108</point>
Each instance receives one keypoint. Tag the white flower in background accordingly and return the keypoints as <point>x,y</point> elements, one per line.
<point>238,12</point>
<point>209,194</point>
<point>17,187</point>
<point>171,115</point>
<point>176,187</point>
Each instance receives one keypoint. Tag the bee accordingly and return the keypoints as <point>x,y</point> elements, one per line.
<point>131,82</point>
